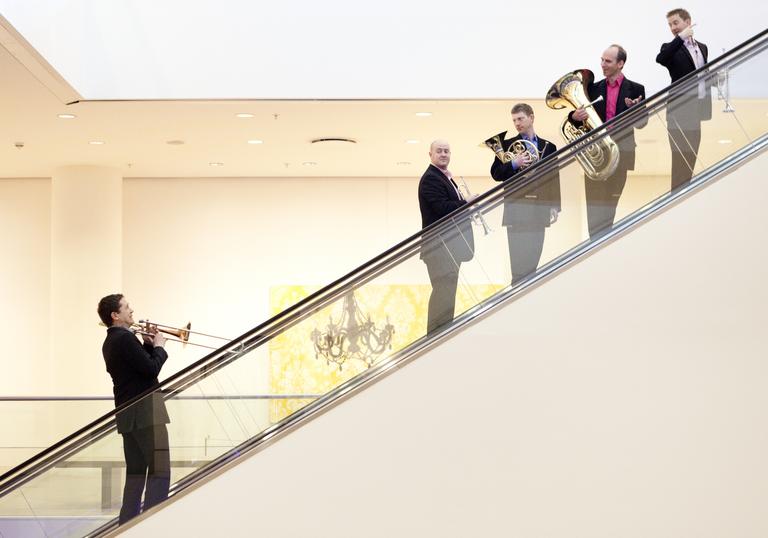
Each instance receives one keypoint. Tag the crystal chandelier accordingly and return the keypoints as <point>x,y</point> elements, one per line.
<point>352,336</point>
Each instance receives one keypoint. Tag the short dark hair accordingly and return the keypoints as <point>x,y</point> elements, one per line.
<point>621,53</point>
<point>683,13</point>
<point>525,108</point>
<point>107,305</point>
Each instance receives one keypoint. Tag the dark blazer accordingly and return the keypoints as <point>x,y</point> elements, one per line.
<point>134,369</point>
<point>679,62</point>
<point>540,196</point>
<point>626,139</point>
<point>437,198</point>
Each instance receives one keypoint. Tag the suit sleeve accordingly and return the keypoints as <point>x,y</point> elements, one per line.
<point>668,50</point>
<point>435,196</point>
<point>640,92</point>
<point>140,359</point>
<point>501,171</point>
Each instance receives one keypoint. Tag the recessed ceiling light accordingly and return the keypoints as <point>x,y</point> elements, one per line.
<point>175,142</point>
<point>66,116</point>
<point>333,140</point>
<point>412,141</point>
<point>309,163</point>
<point>96,142</point>
<point>215,164</point>
<point>725,141</point>
<point>244,115</point>
<point>255,141</point>
<point>403,163</point>
<point>423,114</point>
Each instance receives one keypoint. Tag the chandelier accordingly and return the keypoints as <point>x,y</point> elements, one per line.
<point>353,336</point>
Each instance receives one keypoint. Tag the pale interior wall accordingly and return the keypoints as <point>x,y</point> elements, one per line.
<point>25,221</point>
<point>208,251</point>
<point>624,397</point>
<point>86,258</point>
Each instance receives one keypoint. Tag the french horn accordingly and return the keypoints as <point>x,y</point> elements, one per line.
<point>518,147</point>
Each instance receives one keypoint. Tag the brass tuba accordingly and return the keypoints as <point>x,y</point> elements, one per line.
<point>518,147</point>
<point>599,159</point>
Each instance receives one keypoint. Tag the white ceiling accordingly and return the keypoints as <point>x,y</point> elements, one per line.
<point>339,49</point>
<point>135,134</point>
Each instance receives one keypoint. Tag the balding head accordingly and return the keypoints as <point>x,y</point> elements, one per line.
<point>440,154</point>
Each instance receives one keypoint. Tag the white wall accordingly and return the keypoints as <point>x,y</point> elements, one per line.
<point>342,49</point>
<point>624,397</point>
<point>25,239</point>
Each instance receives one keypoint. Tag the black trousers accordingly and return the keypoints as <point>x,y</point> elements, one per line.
<point>602,199</point>
<point>444,277</point>
<point>148,463</point>
<point>525,247</point>
<point>684,146</point>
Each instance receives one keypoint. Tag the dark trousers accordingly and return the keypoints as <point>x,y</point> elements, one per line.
<point>525,246</point>
<point>444,277</point>
<point>147,462</point>
<point>684,145</point>
<point>602,199</point>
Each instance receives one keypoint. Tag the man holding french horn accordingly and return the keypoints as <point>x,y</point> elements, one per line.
<point>530,210</point>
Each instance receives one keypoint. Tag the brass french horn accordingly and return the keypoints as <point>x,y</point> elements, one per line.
<point>518,147</point>
<point>600,158</point>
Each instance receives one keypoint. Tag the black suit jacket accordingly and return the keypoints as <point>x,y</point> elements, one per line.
<point>679,62</point>
<point>626,139</point>
<point>437,198</point>
<point>543,194</point>
<point>134,369</point>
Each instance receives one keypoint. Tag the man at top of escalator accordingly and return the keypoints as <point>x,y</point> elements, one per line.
<point>686,110</point>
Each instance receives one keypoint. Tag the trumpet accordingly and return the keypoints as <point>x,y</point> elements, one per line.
<point>477,217</point>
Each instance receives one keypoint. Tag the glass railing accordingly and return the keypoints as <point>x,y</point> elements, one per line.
<point>339,338</point>
<point>31,424</point>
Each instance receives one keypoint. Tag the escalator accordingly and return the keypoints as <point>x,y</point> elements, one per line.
<point>340,341</point>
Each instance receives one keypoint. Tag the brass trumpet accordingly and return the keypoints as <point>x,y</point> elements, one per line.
<point>599,159</point>
<point>477,217</point>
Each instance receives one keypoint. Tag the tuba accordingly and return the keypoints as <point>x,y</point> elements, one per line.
<point>518,147</point>
<point>599,159</point>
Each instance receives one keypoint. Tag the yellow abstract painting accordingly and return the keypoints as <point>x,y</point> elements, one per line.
<point>294,368</point>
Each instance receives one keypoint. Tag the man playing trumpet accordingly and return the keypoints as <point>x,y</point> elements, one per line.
<point>134,369</point>
<point>530,210</point>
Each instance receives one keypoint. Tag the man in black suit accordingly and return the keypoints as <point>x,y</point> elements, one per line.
<point>528,211</point>
<point>686,111</point>
<point>439,195</point>
<point>619,94</point>
<point>134,369</point>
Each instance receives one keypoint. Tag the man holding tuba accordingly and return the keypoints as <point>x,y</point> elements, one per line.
<point>530,210</point>
<point>618,94</point>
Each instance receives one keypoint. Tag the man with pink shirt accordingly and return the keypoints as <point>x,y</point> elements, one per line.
<point>619,94</point>
<point>682,56</point>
